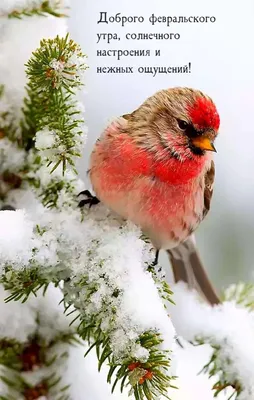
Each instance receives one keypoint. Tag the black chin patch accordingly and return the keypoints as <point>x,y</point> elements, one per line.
<point>196,150</point>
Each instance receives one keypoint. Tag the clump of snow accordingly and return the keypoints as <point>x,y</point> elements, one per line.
<point>45,139</point>
<point>49,144</point>
<point>228,326</point>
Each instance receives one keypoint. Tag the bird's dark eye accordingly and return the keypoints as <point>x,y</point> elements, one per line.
<point>183,125</point>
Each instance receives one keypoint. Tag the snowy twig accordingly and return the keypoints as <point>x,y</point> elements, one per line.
<point>53,117</point>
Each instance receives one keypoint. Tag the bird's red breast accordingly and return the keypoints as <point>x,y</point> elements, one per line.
<point>125,157</point>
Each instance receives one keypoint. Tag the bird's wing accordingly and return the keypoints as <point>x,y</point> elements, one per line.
<point>208,192</point>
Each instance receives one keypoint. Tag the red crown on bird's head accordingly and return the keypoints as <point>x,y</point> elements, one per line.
<point>204,115</point>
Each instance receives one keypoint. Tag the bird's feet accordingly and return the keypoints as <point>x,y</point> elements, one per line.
<point>91,200</point>
<point>156,261</point>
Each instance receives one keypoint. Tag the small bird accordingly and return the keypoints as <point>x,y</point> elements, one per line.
<point>155,168</point>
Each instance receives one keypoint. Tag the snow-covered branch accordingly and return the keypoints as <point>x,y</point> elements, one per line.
<point>104,262</point>
<point>228,328</point>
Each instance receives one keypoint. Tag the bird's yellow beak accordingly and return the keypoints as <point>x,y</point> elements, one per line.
<point>203,143</point>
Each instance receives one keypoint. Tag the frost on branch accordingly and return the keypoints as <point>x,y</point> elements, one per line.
<point>104,264</point>
<point>228,328</point>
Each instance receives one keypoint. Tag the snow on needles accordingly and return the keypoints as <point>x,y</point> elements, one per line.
<point>109,255</point>
<point>228,326</point>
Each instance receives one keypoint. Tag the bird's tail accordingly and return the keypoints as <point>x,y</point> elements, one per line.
<point>187,267</point>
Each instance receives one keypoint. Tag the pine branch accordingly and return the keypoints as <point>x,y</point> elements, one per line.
<point>53,121</point>
<point>48,7</point>
<point>28,281</point>
<point>242,294</point>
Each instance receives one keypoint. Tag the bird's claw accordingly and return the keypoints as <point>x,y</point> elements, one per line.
<point>156,260</point>
<point>91,200</point>
<point>86,193</point>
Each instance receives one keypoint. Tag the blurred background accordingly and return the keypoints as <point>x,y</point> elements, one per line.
<point>222,65</point>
